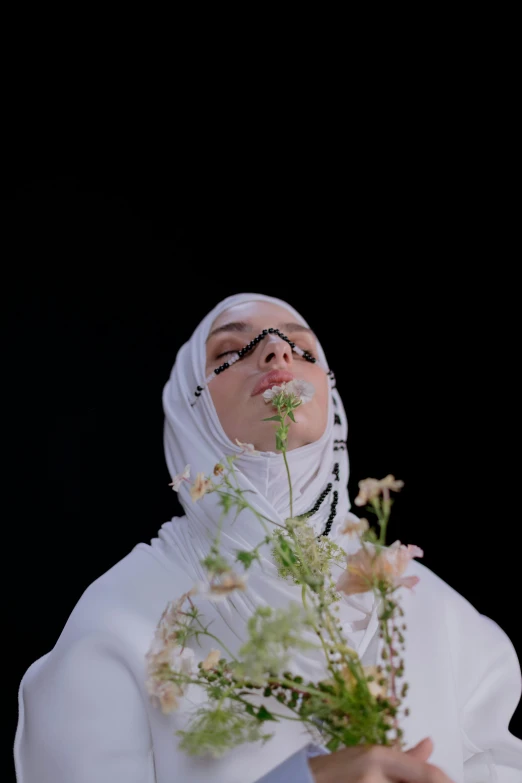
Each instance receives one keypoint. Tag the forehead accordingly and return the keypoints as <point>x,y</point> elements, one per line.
<point>260,314</point>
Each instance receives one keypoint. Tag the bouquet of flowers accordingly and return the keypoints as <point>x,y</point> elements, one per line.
<point>249,690</point>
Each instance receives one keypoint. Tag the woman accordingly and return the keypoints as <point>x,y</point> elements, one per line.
<point>85,712</point>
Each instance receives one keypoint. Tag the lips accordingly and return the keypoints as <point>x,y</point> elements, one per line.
<point>270,379</point>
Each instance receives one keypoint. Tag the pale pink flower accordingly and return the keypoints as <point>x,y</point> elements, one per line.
<point>179,660</point>
<point>172,621</point>
<point>180,478</point>
<point>370,565</point>
<point>390,482</point>
<point>269,394</point>
<point>212,660</point>
<point>200,486</point>
<point>164,693</point>
<point>353,526</point>
<point>247,448</point>
<point>398,557</point>
<point>301,389</point>
<point>371,488</point>
<point>218,591</point>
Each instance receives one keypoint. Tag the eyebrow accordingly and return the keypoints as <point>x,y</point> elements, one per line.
<point>246,326</point>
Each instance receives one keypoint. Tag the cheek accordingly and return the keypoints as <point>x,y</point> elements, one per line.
<point>225,391</point>
<point>319,404</point>
<point>322,386</point>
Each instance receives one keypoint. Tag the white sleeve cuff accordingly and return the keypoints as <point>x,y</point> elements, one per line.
<point>294,770</point>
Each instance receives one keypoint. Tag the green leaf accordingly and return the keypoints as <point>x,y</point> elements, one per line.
<point>333,744</point>
<point>251,711</point>
<point>263,715</point>
<point>272,418</point>
<point>247,558</point>
<point>291,416</point>
<point>287,554</point>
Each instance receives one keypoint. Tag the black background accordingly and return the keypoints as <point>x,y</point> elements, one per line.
<point>402,278</point>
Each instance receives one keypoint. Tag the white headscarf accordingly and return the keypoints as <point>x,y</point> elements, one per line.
<point>193,435</point>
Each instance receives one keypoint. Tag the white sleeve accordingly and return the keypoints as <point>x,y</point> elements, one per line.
<point>294,770</point>
<point>491,700</point>
<point>82,718</point>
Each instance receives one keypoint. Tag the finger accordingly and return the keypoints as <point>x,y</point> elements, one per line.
<point>423,750</point>
<point>404,768</point>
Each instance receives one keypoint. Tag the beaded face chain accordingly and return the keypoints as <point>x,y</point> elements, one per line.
<point>250,347</point>
<point>338,444</point>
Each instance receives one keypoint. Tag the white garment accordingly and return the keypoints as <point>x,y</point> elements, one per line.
<point>84,712</point>
<point>85,716</point>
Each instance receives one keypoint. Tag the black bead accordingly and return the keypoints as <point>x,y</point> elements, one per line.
<point>226,365</point>
<point>265,331</point>
<point>271,331</point>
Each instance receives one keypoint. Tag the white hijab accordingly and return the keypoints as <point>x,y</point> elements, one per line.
<point>193,435</point>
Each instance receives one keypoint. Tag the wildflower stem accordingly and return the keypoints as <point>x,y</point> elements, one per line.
<point>289,483</point>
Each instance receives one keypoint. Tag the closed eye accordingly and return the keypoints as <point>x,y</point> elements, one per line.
<point>224,354</point>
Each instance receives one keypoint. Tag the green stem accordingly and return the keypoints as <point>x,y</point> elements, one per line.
<point>383,525</point>
<point>300,718</point>
<point>211,635</point>
<point>289,483</point>
<point>302,687</point>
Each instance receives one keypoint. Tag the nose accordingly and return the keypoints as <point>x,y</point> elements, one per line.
<point>275,354</point>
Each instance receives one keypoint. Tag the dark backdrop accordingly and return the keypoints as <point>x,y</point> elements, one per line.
<point>110,275</point>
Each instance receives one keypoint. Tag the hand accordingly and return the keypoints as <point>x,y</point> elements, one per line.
<point>378,764</point>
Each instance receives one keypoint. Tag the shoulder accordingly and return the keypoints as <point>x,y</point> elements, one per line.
<point>132,593</point>
<point>460,614</point>
<point>477,643</point>
<point>114,620</point>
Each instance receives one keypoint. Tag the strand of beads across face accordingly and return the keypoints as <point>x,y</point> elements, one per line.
<point>250,347</point>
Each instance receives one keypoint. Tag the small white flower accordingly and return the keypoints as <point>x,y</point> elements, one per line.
<point>269,394</point>
<point>180,478</point>
<point>247,448</point>
<point>301,389</point>
<point>181,659</point>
